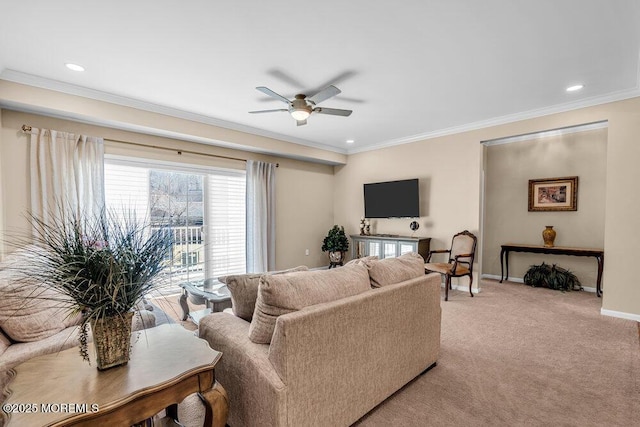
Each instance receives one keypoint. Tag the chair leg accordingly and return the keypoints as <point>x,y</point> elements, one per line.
<point>446,287</point>
<point>470,284</point>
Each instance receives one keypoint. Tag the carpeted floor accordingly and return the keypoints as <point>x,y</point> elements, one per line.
<point>515,356</point>
<point>519,356</point>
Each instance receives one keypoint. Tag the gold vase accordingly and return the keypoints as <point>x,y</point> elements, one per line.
<point>548,235</point>
<point>112,340</point>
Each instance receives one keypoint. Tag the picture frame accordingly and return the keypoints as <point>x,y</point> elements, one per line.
<point>553,194</point>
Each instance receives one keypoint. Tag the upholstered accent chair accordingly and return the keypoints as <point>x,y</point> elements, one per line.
<point>460,262</point>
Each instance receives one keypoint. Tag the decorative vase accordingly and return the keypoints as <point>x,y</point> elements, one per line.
<point>335,258</point>
<point>548,235</point>
<point>112,340</point>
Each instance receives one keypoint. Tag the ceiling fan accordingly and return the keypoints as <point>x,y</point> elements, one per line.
<point>301,107</point>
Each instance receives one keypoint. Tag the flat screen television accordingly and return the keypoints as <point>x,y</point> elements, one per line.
<point>392,199</point>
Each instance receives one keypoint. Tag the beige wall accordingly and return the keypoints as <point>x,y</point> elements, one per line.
<point>448,169</point>
<point>622,221</point>
<point>507,219</point>
<point>2,227</point>
<point>451,168</point>
<point>443,208</point>
<point>304,198</point>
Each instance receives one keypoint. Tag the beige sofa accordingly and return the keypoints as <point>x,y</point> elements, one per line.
<point>328,363</point>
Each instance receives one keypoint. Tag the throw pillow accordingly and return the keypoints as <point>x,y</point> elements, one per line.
<point>388,271</point>
<point>29,310</point>
<point>244,290</point>
<point>282,294</point>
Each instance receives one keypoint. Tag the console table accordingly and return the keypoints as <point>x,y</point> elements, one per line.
<point>598,254</point>
<point>388,245</point>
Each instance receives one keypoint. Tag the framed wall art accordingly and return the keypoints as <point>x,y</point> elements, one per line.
<point>553,194</point>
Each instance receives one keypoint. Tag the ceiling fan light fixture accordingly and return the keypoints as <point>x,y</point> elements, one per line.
<point>300,113</point>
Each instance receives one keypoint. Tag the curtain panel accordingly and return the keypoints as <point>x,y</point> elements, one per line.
<point>66,169</point>
<point>261,222</point>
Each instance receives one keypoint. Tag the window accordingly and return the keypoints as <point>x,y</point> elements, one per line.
<point>202,208</point>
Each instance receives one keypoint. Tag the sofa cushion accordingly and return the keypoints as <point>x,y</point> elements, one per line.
<point>394,270</point>
<point>285,293</point>
<point>366,261</point>
<point>29,309</point>
<point>244,290</point>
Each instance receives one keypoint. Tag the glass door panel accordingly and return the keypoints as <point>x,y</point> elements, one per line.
<point>390,249</point>
<point>374,249</point>
<point>406,247</point>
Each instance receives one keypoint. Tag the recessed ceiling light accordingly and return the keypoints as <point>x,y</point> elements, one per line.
<point>74,67</point>
<point>350,141</point>
<point>574,88</point>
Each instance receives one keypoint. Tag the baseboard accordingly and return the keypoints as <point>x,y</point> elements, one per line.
<point>495,277</point>
<point>520,280</point>
<point>620,314</point>
<point>464,288</point>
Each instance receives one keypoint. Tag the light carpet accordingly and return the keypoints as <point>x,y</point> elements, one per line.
<point>520,356</point>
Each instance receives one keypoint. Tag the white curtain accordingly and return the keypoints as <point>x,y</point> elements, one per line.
<point>66,169</point>
<point>261,223</point>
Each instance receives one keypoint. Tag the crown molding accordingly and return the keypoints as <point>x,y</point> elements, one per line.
<point>531,114</point>
<point>548,133</point>
<point>71,89</point>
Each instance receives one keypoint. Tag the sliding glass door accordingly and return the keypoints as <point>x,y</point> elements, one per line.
<point>203,210</point>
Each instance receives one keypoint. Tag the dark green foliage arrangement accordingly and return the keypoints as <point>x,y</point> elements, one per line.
<point>552,277</point>
<point>336,240</point>
<point>101,266</point>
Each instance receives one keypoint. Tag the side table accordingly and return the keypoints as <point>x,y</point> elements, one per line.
<point>215,299</point>
<point>167,364</point>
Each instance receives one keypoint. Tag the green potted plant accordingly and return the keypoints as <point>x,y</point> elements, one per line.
<point>337,244</point>
<point>101,266</point>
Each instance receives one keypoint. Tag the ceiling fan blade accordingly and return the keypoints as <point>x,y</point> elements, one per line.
<point>332,111</point>
<point>271,93</point>
<point>301,122</point>
<point>268,111</point>
<point>324,94</point>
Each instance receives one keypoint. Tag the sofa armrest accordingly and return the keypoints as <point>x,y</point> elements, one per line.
<point>256,392</point>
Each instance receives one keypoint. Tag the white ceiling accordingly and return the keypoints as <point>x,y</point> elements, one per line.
<point>408,70</point>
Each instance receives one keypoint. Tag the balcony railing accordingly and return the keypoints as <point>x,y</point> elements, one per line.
<point>181,235</point>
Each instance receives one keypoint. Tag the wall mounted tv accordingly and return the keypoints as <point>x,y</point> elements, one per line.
<point>392,199</point>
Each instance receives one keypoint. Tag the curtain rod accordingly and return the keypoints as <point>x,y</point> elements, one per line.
<point>27,129</point>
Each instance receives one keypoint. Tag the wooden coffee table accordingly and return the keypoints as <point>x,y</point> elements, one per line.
<point>167,364</point>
